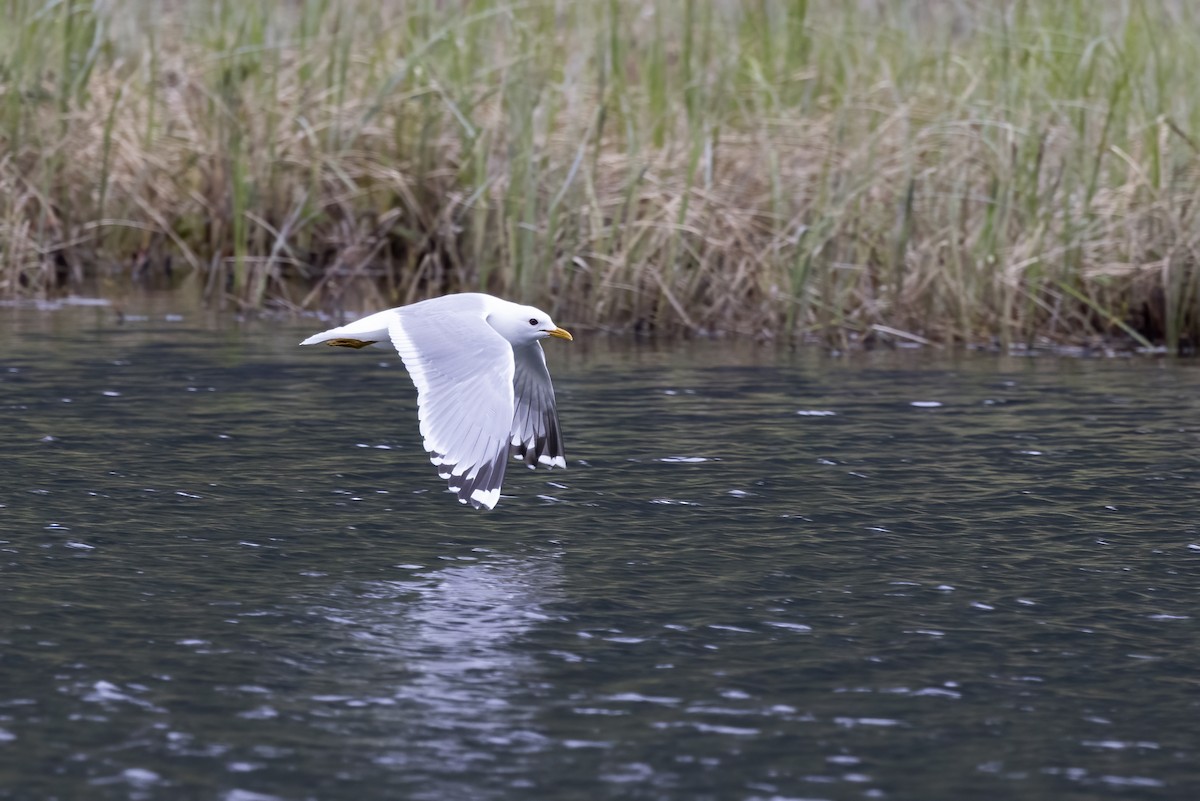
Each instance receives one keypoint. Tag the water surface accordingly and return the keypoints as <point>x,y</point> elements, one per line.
<point>228,571</point>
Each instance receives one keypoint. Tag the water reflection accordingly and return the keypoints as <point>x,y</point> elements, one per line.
<point>448,680</point>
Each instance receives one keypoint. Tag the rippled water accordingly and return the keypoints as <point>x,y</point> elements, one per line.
<point>228,571</point>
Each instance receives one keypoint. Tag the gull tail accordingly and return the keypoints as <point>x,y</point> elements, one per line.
<point>370,330</point>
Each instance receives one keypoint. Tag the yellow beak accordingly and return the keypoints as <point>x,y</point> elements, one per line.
<point>561,333</point>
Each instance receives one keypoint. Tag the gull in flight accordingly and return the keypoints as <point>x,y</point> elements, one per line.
<point>483,390</point>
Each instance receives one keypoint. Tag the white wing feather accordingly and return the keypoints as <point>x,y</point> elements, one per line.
<point>464,395</point>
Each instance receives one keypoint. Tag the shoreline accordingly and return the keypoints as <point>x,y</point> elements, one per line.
<point>135,307</point>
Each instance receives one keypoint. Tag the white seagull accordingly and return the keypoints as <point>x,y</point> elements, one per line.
<point>483,391</point>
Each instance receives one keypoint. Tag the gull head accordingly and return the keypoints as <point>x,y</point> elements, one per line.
<point>522,325</point>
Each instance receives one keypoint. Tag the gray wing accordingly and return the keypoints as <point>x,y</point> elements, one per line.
<point>536,437</point>
<point>463,371</point>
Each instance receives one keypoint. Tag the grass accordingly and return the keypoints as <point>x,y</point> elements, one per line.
<point>945,170</point>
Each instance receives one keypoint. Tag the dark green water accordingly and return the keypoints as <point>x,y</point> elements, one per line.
<point>227,571</point>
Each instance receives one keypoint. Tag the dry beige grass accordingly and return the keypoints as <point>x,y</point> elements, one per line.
<point>949,171</point>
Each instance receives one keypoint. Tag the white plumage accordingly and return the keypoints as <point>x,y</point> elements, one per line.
<point>483,390</point>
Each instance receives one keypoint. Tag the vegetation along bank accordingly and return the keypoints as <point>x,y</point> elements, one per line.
<point>942,170</point>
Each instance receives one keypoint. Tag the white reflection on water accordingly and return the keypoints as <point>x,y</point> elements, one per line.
<point>461,698</point>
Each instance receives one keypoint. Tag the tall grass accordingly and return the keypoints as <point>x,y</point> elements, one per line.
<point>951,170</point>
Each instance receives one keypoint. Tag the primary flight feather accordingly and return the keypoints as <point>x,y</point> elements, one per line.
<point>483,391</point>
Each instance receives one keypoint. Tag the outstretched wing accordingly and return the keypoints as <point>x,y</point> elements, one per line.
<point>536,437</point>
<point>463,371</point>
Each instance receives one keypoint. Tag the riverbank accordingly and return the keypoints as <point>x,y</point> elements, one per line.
<point>940,171</point>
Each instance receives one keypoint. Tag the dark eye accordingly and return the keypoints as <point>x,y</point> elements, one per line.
<point>533,321</point>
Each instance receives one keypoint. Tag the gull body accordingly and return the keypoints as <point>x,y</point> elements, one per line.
<point>483,390</point>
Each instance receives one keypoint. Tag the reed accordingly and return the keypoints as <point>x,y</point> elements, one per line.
<point>944,170</point>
